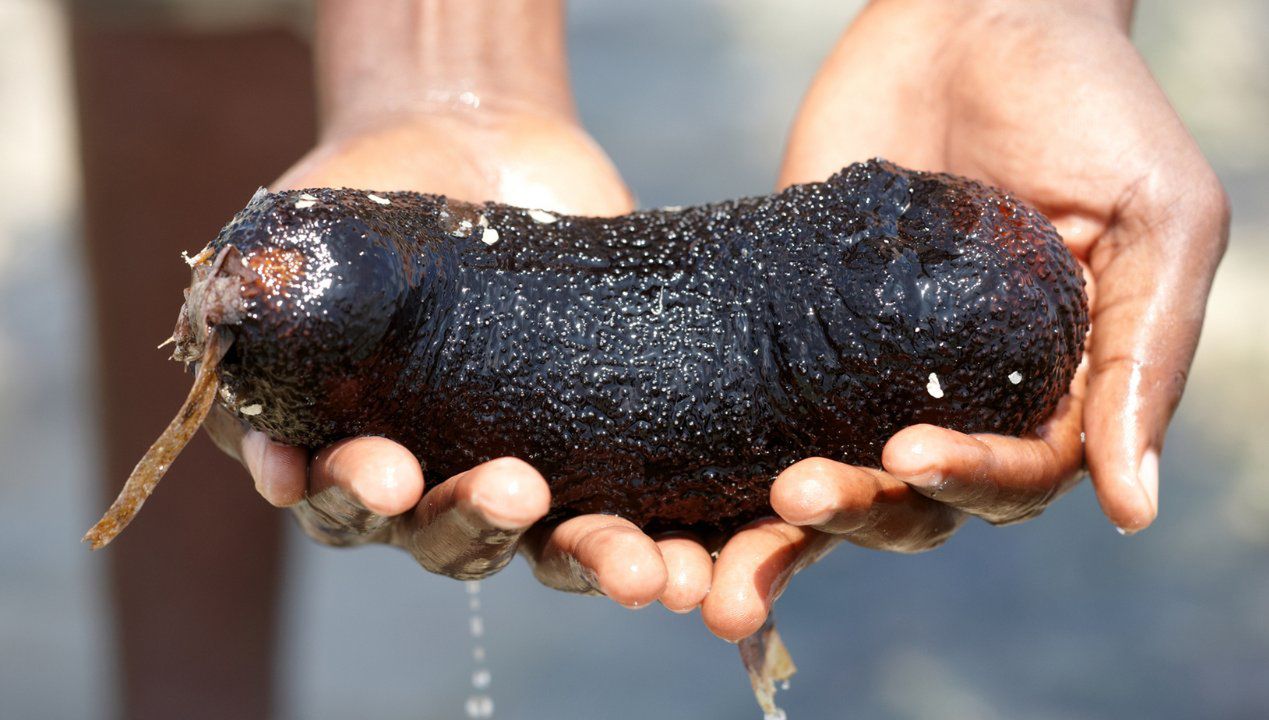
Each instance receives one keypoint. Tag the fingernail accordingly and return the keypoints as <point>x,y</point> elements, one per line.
<point>1148,476</point>
<point>1125,531</point>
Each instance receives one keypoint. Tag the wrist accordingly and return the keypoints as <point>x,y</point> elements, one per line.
<point>475,58</point>
<point>1116,12</point>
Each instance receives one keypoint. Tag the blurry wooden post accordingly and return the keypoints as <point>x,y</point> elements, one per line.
<point>178,126</point>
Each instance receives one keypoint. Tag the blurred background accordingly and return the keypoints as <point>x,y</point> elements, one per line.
<point>1054,619</point>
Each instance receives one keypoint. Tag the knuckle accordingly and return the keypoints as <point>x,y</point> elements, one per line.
<point>939,531</point>
<point>1015,516</point>
<point>1152,377</point>
<point>565,574</point>
<point>565,583</point>
<point>469,568</point>
<point>331,519</point>
<point>459,556</point>
<point>1022,509</point>
<point>966,493</point>
<point>921,537</point>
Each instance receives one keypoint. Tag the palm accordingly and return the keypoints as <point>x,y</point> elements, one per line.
<point>526,161</point>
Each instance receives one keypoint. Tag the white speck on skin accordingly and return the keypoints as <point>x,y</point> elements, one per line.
<point>252,409</point>
<point>1015,377</point>
<point>490,236</point>
<point>542,216</point>
<point>378,199</point>
<point>933,388</point>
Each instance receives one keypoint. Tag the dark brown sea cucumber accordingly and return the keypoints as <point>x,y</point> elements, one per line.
<point>662,365</point>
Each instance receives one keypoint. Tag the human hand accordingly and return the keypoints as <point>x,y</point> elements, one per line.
<point>496,126</point>
<point>1051,101</point>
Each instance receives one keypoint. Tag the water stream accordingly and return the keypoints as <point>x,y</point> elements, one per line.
<point>479,704</point>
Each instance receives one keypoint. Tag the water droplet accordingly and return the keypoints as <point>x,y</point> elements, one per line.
<point>479,706</point>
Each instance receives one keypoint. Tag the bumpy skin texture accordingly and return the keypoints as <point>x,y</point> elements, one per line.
<point>663,365</point>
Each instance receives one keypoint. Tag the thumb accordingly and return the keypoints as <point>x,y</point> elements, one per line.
<point>1153,272</point>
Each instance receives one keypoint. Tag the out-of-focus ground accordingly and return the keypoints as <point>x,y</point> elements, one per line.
<point>1059,618</point>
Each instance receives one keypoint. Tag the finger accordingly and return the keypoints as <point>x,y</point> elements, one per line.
<point>599,554</point>
<point>998,478</point>
<point>688,568</point>
<point>374,473</point>
<point>1154,271</point>
<point>356,490</point>
<point>864,506</point>
<point>752,570</point>
<point>468,527</point>
<point>280,471</point>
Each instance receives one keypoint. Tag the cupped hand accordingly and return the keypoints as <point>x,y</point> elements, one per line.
<point>1049,101</point>
<point>371,489</point>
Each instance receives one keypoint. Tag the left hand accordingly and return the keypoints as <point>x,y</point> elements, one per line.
<point>1050,101</point>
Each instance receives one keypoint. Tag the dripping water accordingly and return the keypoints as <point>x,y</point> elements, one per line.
<point>479,704</point>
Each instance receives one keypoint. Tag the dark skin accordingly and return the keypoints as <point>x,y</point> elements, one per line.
<point>1048,99</point>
